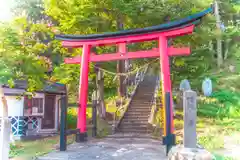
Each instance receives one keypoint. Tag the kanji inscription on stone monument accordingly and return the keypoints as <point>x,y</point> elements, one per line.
<point>190,117</point>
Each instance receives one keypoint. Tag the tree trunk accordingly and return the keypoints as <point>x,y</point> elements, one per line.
<point>121,65</point>
<point>219,37</point>
<point>100,87</point>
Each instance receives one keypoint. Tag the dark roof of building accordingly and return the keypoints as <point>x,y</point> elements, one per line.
<point>49,87</point>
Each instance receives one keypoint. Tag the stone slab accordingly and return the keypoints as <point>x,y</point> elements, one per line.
<point>111,149</point>
<point>181,153</point>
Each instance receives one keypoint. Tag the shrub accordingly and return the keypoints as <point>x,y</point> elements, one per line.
<point>221,104</point>
<point>71,118</point>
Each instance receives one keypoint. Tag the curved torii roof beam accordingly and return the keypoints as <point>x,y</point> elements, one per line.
<point>166,27</point>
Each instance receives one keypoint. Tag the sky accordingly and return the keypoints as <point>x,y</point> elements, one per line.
<point>5,13</point>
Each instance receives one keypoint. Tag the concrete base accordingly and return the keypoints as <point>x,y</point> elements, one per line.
<point>181,153</point>
<point>81,137</point>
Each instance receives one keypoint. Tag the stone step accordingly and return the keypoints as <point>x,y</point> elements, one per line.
<point>138,110</point>
<point>137,105</point>
<point>142,119</point>
<point>147,86</point>
<point>145,90</point>
<point>144,96</point>
<point>144,93</point>
<point>129,135</point>
<point>135,130</point>
<point>136,116</point>
<point>141,103</point>
<point>135,119</point>
<point>140,106</point>
<point>135,123</point>
<point>142,99</point>
<point>136,113</point>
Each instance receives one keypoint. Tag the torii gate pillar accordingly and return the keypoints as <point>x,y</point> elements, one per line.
<point>83,94</point>
<point>169,137</point>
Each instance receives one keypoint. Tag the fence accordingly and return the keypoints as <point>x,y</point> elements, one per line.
<point>155,108</point>
<point>64,132</point>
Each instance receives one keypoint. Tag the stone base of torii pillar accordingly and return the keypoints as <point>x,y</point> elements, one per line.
<point>181,153</point>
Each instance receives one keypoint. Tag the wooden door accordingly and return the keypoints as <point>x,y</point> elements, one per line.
<point>48,121</point>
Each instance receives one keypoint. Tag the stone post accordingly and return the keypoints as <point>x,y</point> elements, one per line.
<point>94,113</point>
<point>5,128</point>
<point>190,119</point>
<point>189,150</point>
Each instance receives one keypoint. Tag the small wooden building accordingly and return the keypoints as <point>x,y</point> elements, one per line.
<point>33,115</point>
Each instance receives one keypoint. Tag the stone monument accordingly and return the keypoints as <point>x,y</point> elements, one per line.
<point>207,87</point>
<point>184,86</point>
<point>189,150</point>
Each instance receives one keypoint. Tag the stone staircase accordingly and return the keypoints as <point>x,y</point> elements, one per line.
<point>136,117</point>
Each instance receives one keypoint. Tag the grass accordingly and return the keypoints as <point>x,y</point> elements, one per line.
<point>211,132</point>
<point>26,150</point>
<point>208,128</point>
<point>220,157</point>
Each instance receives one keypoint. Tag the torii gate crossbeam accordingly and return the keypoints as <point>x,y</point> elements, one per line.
<point>154,53</point>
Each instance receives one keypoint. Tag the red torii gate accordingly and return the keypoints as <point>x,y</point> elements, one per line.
<point>161,33</point>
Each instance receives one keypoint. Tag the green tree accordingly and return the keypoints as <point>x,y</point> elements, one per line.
<point>19,58</point>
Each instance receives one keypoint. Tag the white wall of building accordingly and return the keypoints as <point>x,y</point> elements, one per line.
<point>15,105</point>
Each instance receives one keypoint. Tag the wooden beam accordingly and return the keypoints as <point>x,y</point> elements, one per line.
<point>131,38</point>
<point>130,55</point>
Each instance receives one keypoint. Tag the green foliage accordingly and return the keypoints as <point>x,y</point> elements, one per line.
<point>218,157</point>
<point>15,150</point>
<point>19,58</point>
<point>211,142</point>
<point>223,103</point>
<point>71,118</point>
